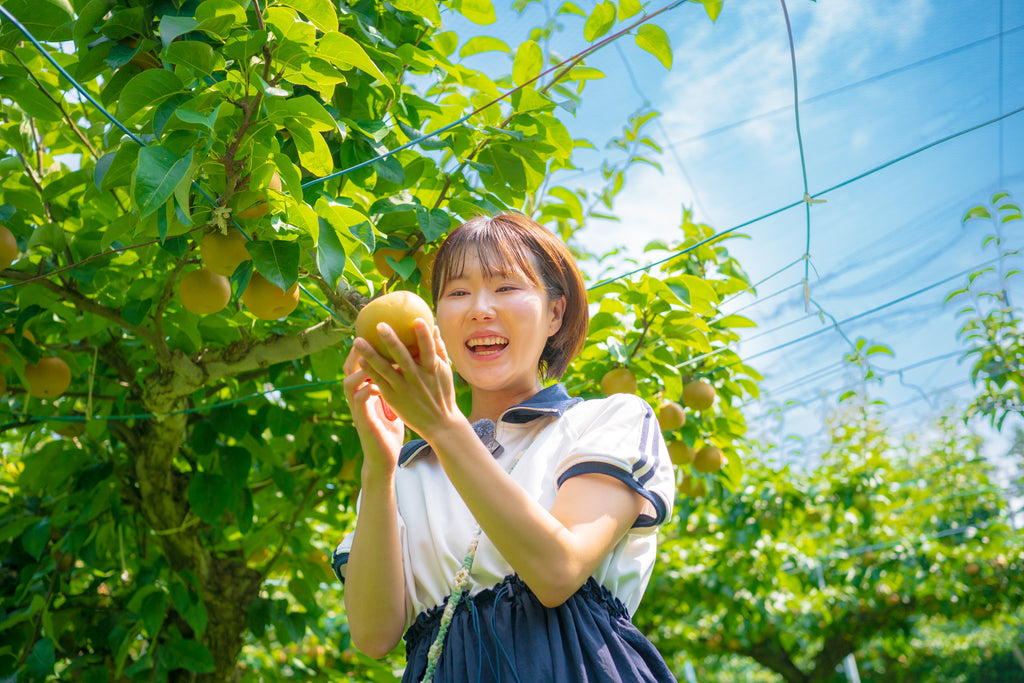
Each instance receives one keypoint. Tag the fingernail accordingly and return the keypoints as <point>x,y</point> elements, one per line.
<point>383,329</point>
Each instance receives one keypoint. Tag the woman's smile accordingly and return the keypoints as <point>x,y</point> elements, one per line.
<point>495,326</point>
<point>487,344</point>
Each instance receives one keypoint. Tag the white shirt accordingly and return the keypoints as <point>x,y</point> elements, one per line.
<point>555,437</point>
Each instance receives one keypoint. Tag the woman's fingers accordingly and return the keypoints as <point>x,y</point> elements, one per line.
<point>426,348</point>
<point>351,361</point>
<point>441,349</point>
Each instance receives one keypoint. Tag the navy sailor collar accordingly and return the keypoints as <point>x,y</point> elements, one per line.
<point>551,401</point>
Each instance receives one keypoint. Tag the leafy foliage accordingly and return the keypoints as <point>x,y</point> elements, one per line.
<point>169,516</point>
<point>799,569</point>
<point>992,327</point>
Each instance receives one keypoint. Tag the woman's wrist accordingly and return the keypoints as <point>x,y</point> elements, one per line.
<point>446,436</point>
<point>376,473</point>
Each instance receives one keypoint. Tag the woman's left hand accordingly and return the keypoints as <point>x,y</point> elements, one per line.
<point>421,390</point>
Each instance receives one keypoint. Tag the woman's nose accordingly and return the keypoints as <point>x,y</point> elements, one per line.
<point>483,307</point>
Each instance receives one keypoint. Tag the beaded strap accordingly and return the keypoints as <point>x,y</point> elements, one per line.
<point>459,589</point>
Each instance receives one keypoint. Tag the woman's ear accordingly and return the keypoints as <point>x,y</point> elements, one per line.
<point>557,311</point>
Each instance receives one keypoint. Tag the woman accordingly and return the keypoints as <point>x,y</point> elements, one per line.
<point>551,501</point>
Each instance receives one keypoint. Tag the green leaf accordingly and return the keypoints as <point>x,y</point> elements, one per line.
<point>171,27</point>
<point>40,660</point>
<point>29,99</point>
<point>192,655</point>
<point>304,110</point>
<point>344,53</point>
<point>320,12</point>
<point>276,260</point>
<point>629,8</point>
<point>732,472</point>
<point>446,42</point>
<point>478,11</point>
<point>701,294</point>
<point>47,20</point>
<point>421,8</point>
<point>34,538</point>
<point>152,611</point>
<point>583,73</point>
<point>976,212</point>
<point>205,120</point>
<point>654,39</point>
<point>433,224</point>
<point>158,173</point>
<point>314,152</point>
<point>571,8</point>
<point>147,89</point>
<point>330,254</point>
<point>196,55</point>
<point>119,169</point>
<point>350,226</point>
<point>528,63</point>
<point>235,463</point>
<point>529,99</point>
<point>735,321</point>
<point>209,494</point>
<point>404,267</point>
<point>210,11</point>
<point>478,44</point>
<point>713,8</point>
<point>599,21</point>
<point>508,169</point>
<point>242,47</point>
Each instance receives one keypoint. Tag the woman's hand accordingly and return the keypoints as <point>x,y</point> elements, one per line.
<point>381,433</point>
<point>421,390</point>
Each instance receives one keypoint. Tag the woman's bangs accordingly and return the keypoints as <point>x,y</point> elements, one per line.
<point>499,250</point>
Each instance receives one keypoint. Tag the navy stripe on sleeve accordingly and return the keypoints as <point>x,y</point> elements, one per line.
<point>625,478</point>
<point>338,562</point>
<point>649,455</point>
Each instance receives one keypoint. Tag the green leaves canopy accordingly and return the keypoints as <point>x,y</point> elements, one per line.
<point>173,510</point>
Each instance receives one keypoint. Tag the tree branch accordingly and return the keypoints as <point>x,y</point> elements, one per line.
<point>84,303</point>
<point>772,654</point>
<point>236,359</point>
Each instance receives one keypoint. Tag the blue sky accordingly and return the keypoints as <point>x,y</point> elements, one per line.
<point>877,80</point>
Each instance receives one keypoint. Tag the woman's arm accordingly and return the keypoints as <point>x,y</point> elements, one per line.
<point>374,581</point>
<point>553,551</point>
<point>375,600</point>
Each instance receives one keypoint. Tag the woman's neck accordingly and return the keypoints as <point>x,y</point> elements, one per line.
<point>491,404</point>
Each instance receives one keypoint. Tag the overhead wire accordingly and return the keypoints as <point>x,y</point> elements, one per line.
<point>866,313</point>
<point>816,195</point>
<point>661,128</point>
<point>876,169</point>
<point>135,138</point>
<point>572,61</point>
<point>850,86</point>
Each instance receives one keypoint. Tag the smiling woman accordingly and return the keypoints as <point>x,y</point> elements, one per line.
<point>513,543</point>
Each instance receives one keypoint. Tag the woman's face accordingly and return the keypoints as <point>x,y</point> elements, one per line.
<point>495,327</point>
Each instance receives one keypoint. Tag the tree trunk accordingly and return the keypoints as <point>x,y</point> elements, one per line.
<point>228,586</point>
<point>773,655</point>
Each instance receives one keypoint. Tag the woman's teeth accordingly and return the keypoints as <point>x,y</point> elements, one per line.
<point>486,346</point>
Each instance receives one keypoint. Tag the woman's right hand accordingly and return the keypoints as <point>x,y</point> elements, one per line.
<point>381,432</point>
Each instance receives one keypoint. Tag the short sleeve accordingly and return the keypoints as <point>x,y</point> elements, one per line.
<point>619,436</point>
<point>339,558</point>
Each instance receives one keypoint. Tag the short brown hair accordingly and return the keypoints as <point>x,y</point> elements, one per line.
<point>506,243</point>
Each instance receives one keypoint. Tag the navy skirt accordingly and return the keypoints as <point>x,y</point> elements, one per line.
<point>504,634</point>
